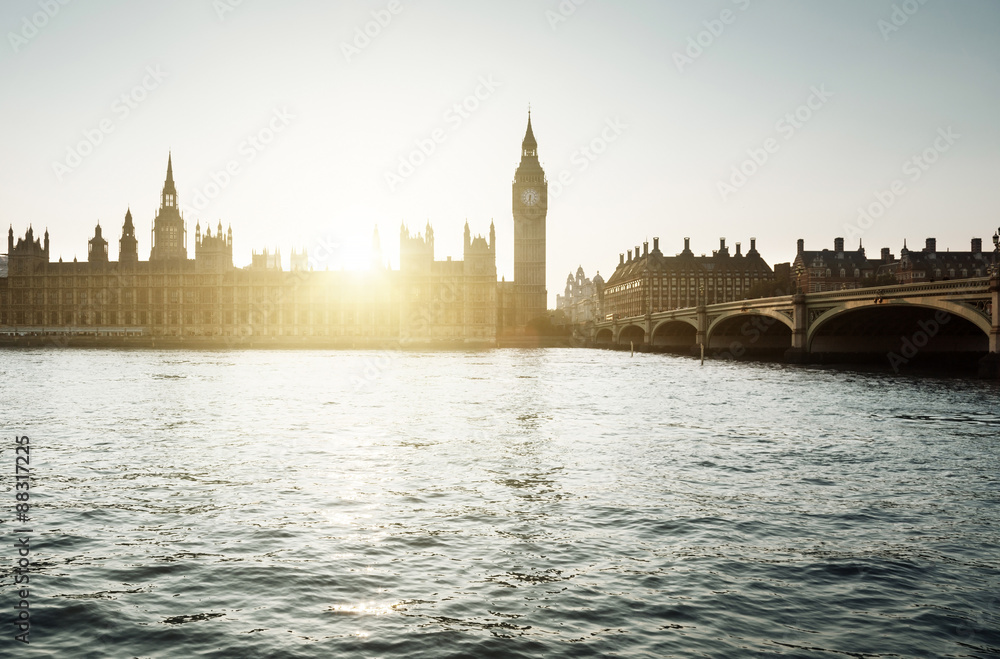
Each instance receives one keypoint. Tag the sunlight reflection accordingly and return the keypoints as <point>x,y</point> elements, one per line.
<point>364,608</point>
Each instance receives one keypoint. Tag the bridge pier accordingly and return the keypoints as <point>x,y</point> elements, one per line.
<point>702,333</point>
<point>799,352</point>
<point>989,366</point>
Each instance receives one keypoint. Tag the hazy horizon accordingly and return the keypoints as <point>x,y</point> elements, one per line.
<point>881,82</point>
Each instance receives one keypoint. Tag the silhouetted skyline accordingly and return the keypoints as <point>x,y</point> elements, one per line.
<point>314,117</point>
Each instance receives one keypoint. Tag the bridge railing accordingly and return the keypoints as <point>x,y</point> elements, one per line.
<point>973,286</point>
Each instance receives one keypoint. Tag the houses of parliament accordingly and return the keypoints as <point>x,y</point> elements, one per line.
<point>425,301</point>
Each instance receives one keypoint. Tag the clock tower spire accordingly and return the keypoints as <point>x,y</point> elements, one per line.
<point>169,233</point>
<point>530,205</point>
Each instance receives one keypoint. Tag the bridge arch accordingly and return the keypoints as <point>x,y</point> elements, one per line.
<point>755,333</point>
<point>952,308</point>
<point>631,334</point>
<point>604,336</point>
<point>675,334</point>
<point>748,315</point>
<point>922,329</point>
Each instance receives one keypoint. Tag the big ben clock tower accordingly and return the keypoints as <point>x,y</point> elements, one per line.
<point>530,202</point>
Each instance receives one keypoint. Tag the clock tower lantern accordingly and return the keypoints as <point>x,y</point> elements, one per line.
<point>530,203</point>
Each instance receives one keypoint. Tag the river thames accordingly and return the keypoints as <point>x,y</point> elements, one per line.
<point>510,503</point>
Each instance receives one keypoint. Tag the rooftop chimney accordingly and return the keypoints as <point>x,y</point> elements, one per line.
<point>886,255</point>
<point>931,245</point>
<point>802,246</point>
<point>977,245</point>
<point>738,249</point>
<point>687,244</point>
<point>838,245</point>
<point>621,259</point>
<point>753,244</point>
<point>722,244</point>
<point>645,248</point>
<point>629,256</point>
<point>656,244</point>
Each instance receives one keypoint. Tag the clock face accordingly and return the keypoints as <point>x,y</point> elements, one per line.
<point>530,197</point>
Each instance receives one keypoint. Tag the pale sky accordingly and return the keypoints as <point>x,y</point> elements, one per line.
<point>667,121</point>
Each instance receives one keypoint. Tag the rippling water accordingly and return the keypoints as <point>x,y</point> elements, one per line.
<point>549,503</point>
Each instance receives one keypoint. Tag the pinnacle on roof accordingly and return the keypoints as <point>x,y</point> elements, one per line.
<point>168,184</point>
<point>529,143</point>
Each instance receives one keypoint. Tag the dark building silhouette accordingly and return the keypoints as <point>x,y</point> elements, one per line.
<point>838,269</point>
<point>649,282</point>
<point>931,265</point>
<point>834,270</point>
<point>525,301</point>
<point>128,246</point>
<point>169,234</point>
<point>426,300</point>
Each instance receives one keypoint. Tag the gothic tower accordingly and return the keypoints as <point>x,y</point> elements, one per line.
<point>169,234</point>
<point>97,247</point>
<point>128,246</point>
<point>530,202</point>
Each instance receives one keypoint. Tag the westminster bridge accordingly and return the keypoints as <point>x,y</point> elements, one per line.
<point>943,321</point>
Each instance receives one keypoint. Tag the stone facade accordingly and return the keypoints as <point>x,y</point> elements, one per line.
<point>426,301</point>
<point>583,300</point>
<point>650,282</point>
<point>838,269</point>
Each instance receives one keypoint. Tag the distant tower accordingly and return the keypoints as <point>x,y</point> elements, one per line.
<point>128,246</point>
<point>213,253</point>
<point>299,261</point>
<point>169,235</point>
<point>530,202</point>
<point>416,253</point>
<point>97,248</point>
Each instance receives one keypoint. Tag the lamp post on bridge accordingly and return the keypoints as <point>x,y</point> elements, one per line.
<point>989,366</point>
<point>996,250</point>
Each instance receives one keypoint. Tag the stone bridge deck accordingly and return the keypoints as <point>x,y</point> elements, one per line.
<point>956,316</point>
